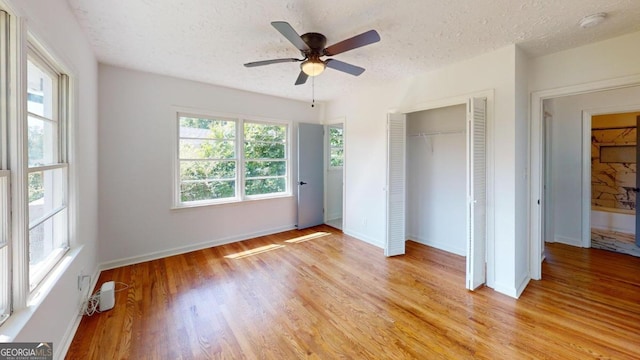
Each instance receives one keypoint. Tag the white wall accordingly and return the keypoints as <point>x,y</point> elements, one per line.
<point>55,26</point>
<point>609,59</point>
<point>137,124</point>
<point>366,112</point>
<point>521,170</point>
<point>566,156</point>
<point>437,178</point>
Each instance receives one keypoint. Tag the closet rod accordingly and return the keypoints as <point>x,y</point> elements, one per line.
<point>422,134</point>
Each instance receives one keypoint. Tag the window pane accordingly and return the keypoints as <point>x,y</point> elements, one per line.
<point>46,238</point>
<point>337,157</point>
<point>4,281</point>
<point>207,128</point>
<point>265,186</point>
<point>207,170</point>
<point>335,137</point>
<point>39,91</point>
<point>42,137</point>
<point>46,192</point>
<point>261,150</point>
<point>265,168</point>
<point>4,207</point>
<point>265,132</point>
<point>4,249</point>
<point>207,149</point>
<point>207,190</point>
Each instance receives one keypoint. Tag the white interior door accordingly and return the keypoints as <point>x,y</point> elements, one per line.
<point>310,175</point>
<point>476,192</point>
<point>396,174</point>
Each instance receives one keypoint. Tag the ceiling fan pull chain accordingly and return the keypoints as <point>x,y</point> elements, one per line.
<point>313,91</point>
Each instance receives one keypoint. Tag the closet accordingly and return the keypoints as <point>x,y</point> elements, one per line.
<point>436,178</point>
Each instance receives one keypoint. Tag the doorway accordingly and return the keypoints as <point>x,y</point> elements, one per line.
<point>614,185</point>
<point>561,160</point>
<point>334,175</point>
<point>472,125</point>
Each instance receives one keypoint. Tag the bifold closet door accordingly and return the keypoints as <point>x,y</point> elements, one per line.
<point>476,192</point>
<point>396,177</point>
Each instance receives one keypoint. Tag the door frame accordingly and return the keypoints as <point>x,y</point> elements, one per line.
<point>490,210</point>
<point>536,162</point>
<point>586,163</point>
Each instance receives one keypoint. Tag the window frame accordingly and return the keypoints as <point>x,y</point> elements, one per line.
<point>177,178</point>
<point>17,43</point>
<point>239,120</point>
<point>38,56</point>
<point>5,174</point>
<point>287,176</point>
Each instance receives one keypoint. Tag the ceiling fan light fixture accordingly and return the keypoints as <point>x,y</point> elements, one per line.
<point>313,67</point>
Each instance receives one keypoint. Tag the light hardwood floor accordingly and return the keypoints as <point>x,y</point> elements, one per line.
<point>332,296</point>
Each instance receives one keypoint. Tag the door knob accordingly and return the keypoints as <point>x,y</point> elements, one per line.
<point>302,183</point>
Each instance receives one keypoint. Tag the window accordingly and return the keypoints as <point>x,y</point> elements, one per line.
<point>208,162</point>
<point>5,175</point>
<point>336,146</point>
<point>265,161</point>
<point>215,154</point>
<point>34,224</point>
<point>46,171</point>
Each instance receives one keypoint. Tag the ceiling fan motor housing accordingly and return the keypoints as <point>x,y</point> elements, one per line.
<point>316,43</point>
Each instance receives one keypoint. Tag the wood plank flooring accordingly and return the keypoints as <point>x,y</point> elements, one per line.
<point>329,296</point>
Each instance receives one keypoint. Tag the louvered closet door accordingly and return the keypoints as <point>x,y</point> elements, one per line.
<point>476,192</point>
<point>396,163</point>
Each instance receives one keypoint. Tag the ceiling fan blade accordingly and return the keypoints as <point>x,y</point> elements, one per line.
<point>302,78</point>
<point>267,62</point>
<point>344,67</point>
<point>355,42</point>
<point>288,32</point>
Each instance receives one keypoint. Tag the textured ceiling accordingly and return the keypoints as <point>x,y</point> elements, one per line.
<point>210,40</point>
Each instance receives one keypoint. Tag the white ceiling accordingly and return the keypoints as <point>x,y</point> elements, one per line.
<point>210,40</point>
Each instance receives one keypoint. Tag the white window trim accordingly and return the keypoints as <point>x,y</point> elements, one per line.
<point>240,119</point>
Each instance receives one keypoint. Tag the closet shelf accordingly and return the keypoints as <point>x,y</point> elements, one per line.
<point>435,133</point>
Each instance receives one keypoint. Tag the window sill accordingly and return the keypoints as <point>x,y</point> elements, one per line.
<point>19,319</point>
<point>235,202</point>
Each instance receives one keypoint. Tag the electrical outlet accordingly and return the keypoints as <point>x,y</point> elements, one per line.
<point>82,279</point>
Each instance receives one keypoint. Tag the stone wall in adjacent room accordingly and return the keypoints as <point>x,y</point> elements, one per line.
<point>613,161</point>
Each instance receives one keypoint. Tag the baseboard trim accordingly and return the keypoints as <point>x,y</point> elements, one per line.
<point>333,216</point>
<point>568,241</point>
<point>363,237</point>
<point>523,285</point>
<point>70,333</point>
<point>438,245</point>
<point>185,249</point>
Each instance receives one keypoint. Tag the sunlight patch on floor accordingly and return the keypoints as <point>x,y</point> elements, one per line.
<point>256,251</point>
<point>304,238</point>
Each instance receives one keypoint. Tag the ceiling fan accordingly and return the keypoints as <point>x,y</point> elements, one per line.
<point>312,48</point>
